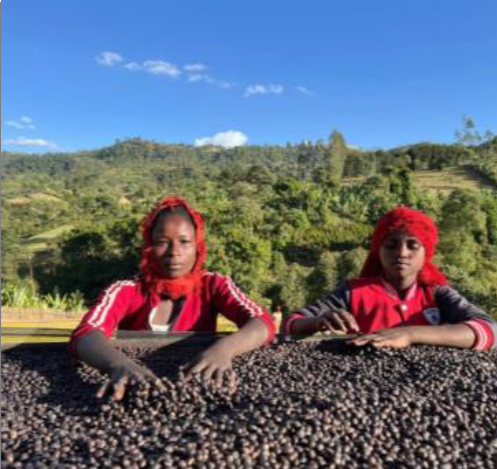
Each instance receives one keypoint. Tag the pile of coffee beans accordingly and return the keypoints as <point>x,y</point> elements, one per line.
<point>296,405</point>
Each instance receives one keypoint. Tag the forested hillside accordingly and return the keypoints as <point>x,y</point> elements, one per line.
<point>286,223</point>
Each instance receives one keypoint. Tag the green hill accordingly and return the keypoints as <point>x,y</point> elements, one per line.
<point>285,221</point>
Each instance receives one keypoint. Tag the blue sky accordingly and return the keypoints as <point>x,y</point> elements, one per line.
<point>81,74</point>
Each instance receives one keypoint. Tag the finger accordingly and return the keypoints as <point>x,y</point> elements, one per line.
<point>138,378</point>
<point>208,372</point>
<point>349,320</point>
<point>326,325</point>
<point>337,322</point>
<point>386,343</point>
<point>360,342</point>
<point>103,389</point>
<point>150,375</point>
<point>218,377</point>
<point>194,369</point>
<point>390,343</point>
<point>371,336</point>
<point>232,380</point>
<point>383,343</point>
<point>150,379</point>
<point>120,388</point>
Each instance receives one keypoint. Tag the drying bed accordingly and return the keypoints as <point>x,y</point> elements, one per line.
<point>309,404</point>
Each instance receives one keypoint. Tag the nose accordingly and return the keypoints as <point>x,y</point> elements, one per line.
<point>173,249</point>
<point>402,250</point>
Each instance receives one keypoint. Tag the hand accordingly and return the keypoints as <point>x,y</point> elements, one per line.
<point>120,376</point>
<point>214,363</point>
<point>397,337</point>
<point>340,321</point>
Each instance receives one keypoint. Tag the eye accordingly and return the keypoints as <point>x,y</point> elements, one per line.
<point>161,243</point>
<point>392,244</point>
<point>413,244</point>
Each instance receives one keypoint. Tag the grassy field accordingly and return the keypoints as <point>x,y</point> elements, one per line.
<point>36,196</point>
<point>444,181</point>
<point>40,241</point>
<point>450,179</point>
<point>46,197</point>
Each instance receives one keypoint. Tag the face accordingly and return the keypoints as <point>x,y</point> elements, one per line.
<point>402,256</point>
<point>174,245</point>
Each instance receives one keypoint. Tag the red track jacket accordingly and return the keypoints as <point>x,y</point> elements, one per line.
<point>124,306</point>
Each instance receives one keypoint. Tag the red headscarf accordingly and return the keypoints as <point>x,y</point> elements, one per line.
<point>150,268</point>
<point>416,224</point>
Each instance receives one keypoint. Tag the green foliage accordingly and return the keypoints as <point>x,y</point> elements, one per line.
<point>469,135</point>
<point>463,230</point>
<point>486,161</point>
<point>470,287</point>
<point>357,165</point>
<point>25,296</point>
<point>279,220</point>
<point>293,292</point>
<point>338,155</point>
<point>93,257</point>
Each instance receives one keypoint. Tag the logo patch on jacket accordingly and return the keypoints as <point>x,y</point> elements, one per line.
<point>432,315</point>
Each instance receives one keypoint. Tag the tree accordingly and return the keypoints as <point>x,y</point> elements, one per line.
<point>260,175</point>
<point>469,135</point>
<point>10,249</point>
<point>337,155</point>
<point>293,288</point>
<point>324,276</point>
<point>462,230</point>
<point>92,258</point>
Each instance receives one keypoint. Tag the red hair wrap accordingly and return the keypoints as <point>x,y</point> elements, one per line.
<point>415,223</point>
<point>152,277</point>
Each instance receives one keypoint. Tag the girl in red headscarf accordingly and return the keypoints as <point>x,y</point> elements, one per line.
<point>173,293</point>
<point>401,297</point>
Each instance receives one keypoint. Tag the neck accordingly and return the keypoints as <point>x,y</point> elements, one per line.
<point>401,284</point>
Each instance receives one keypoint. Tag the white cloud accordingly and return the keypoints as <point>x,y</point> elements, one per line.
<point>109,58</point>
<point>196,77</point>
<point>209,80</point>
<point>263,90</point>
<point>194,71</point>
<point>15,124</point>
<point>195,68</point>
<point>23,123</point>
<point>133,66</point>
<point>160,67</point>
<point>228,139</point>
<point>304,90</point>
<point>29,142</point>
<point>26,120</point>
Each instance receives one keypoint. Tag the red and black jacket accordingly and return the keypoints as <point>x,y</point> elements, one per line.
<point>376,305</point>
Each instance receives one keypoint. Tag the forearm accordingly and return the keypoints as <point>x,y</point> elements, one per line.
<point>451,335</point>
<point>303,326</point>
<point>95,349</point>
<point>251,336</point>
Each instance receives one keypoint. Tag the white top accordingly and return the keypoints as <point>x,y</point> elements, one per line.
<point>157,327</point>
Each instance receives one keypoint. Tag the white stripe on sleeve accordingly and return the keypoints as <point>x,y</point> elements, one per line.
<point>100,313</point>
<point>481,335</point>
<point>249,305</point>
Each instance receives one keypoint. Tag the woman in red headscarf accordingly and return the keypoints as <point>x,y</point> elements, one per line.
<point>173,293</point>
<point>401,297</point>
